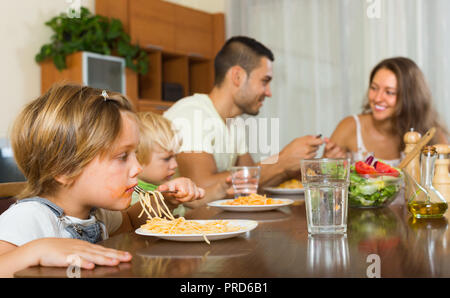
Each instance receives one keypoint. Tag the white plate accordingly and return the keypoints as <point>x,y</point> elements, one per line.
<point>245,225</point>
<point>284,191</point>
<point>249,208</point>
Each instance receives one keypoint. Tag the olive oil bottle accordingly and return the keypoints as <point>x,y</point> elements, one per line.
<point>426,201</point>
<point>427,210</point>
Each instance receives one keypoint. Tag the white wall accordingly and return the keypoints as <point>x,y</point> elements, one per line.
<point>23,32</point>
<point>211,6</point>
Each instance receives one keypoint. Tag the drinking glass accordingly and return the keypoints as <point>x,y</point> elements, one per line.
<point>245,180</point>
<point>326,184</point>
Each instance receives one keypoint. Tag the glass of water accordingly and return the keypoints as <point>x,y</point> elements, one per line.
<point>326,183</point>
<point>245,180</point>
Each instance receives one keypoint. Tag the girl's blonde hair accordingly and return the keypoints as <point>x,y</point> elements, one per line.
<point>60,132</point>
<point>155,129</point>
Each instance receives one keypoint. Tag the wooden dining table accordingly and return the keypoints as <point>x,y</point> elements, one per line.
<point>380,242</point>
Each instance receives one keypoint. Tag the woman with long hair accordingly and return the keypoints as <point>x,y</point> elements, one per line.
<point>398,100</point>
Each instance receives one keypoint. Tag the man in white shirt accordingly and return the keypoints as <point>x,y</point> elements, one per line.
<point>243,72</point>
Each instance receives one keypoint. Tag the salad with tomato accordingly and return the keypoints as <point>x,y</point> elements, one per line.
<point>373,185</point>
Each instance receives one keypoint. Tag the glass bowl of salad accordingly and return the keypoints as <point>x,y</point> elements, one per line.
<point>374,185</point>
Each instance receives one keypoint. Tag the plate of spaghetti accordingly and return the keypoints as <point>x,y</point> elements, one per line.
<point>162,224</point>
<point>181,229</point>
<point>289,187</point>
<point>251,203</point>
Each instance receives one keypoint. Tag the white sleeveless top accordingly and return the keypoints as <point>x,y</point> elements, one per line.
<point>362,152</point>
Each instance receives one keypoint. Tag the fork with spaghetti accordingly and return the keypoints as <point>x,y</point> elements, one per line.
<point>145,199</point>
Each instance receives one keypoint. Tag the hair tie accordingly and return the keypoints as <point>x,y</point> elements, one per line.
<point>105,95</point>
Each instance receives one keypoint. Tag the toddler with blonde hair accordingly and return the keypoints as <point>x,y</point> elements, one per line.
<point>159,144</point>
<point>156,151</point>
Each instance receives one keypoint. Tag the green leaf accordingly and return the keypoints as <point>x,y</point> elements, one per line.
<point>123,48</point>
<point>94,33</point>
<point>115,29</point>
<point>143,67</point>
<point>59,61</point>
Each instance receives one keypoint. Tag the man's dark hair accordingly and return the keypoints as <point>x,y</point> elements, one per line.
<point>239,50</point>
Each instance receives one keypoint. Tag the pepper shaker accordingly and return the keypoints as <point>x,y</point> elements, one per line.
<point>411,138</point>
<point>441,179</point>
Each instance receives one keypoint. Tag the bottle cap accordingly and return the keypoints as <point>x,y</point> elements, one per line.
<point>429,151</point>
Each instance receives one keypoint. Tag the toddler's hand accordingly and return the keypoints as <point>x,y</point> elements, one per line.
<point>186,190</point>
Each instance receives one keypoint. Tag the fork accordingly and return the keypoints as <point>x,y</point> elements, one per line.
<point>139,189</point>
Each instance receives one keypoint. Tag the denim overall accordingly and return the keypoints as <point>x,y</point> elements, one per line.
<point>91,233</point>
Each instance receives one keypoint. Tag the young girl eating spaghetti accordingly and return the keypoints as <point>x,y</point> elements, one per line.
<point>77,148</point>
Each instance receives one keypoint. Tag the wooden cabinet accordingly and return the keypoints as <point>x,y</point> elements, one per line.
<point>181,43</point>
<point>151,23</point>
<point>73,73</point>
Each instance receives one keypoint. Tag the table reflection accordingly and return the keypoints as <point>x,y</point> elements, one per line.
<point>376,230</point>
<point>427,240</point>
<point>163,258</point>
<point>327,255</point>
<point>166,267</point>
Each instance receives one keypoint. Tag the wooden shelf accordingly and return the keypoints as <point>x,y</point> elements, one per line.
<point>175,70</point>
<point>153,105</point>
<point>201,75</point>
<point>181,43</point>
<point>150,84</point>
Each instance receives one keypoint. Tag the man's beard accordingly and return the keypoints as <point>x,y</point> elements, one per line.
<point>246,107</point>
<point>250,112</point>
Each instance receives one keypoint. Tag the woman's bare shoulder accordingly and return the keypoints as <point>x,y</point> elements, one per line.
<point>365,119</point>
<point>345,132</point>
<point>346,126</point>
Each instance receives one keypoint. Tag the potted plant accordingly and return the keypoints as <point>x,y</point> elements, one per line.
<point>93,33</point>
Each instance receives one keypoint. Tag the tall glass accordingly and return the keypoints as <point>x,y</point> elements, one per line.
<point>326,194</point>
